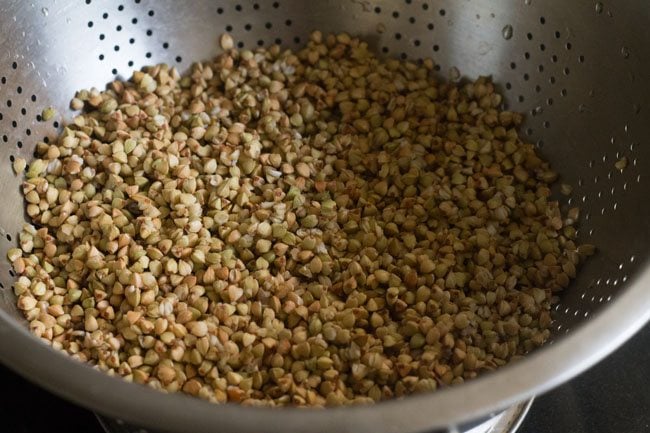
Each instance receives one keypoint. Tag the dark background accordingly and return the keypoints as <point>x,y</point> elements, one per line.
<point>613,397</point>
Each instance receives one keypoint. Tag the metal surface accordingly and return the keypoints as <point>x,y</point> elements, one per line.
<point>580,71</point>
<point>511,419</point>
<point>507,421</point>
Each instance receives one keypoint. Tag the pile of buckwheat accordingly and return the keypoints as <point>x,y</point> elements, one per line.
<point>309,228</point>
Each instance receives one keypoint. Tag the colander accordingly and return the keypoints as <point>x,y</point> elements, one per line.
<point>578,69</point>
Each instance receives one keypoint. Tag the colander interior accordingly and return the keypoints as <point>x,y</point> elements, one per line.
<point>578,71</point>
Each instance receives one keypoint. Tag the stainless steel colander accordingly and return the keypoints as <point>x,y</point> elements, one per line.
<point>579,69</point>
